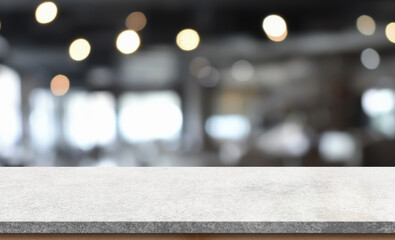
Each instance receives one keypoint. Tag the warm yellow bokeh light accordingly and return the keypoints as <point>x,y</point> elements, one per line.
<point>366,25</point>
<point>275,28</point>
<point>79,49</point>
<point>188,39</point>
<point>128,42</point>
<point>136,21</point>
<point>280,38</point>
<point>390,32</point>
<point>60,85</point>
<point>46,12</point>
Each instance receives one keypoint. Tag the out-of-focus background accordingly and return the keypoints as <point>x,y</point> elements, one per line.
<point>197,83</point>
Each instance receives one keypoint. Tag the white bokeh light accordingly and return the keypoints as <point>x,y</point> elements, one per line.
<point>46,12</point>
<point>79,49</point>
<point>242,70</point>
<point>370,58</point>
<point>337,146</point>
<point>128,42</point>
<point>275,27</point>
<point>378,101</point>
<point>188,39</point>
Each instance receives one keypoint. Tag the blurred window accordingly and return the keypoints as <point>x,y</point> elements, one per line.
<point>148,116</point>
<point>42,120</point>
<point>90,119</point>
<point>228,127</point>
<point>10,115</point>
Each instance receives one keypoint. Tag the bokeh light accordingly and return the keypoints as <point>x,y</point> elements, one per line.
<point>366,25</point>
<point>390,32</point>
<point>242,70</point>
<point>79,49</point>
<point>196,64</point>
<point>46,12</point>
<point>60,85</point>
<point>370,58</point>
<point>275,28</point>
<point>136,21</point>
<point>337,146</point>
<point>128,42</point>
<point>280,38</point>
<point>286,139</point>
<point>188,39</point>
<point>208,76</point>
<point>376,102</point>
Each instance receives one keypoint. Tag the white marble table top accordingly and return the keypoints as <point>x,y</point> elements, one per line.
<point>177,194</point>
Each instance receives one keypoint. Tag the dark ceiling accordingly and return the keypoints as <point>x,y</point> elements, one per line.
<point>100,21</point>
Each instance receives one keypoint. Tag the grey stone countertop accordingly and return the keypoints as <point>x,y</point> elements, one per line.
<point>197,200</point>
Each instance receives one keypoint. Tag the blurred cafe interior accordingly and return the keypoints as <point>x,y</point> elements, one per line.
<point>197,83</point>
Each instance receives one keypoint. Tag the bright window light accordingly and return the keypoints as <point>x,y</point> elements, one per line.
<point>10,120</point>
<point>150,116</point>
<point>228,127</point>
<point>90,119</point>
<point>42,119</point>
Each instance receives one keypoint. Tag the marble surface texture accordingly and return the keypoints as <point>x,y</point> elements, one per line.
<point>197,200</point>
